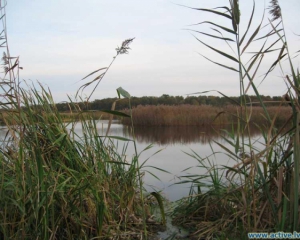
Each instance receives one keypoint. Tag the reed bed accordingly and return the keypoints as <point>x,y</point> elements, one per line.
<point>56,184</point>
<point>190,115</point>
<point>59,184</point>
<point>260,192</point>
<point>73,116</point>
<point>68,116</point>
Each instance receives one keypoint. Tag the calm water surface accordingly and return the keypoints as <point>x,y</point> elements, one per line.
<point>172,143</point>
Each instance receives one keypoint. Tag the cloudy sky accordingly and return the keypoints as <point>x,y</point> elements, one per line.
<point>61,41</point>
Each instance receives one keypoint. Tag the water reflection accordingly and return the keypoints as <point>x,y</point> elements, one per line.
<point>175,142</point>
<point>181,134</point>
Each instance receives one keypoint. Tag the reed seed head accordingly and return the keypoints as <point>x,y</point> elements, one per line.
<point>275,10</point>
<point>5,59</point>
<point>124,47</point>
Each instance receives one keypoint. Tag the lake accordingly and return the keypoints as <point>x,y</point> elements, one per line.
<point>172,143</point>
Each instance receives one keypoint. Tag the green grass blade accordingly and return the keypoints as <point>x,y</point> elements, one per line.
<point>227,150</point>
<point>161,206</point>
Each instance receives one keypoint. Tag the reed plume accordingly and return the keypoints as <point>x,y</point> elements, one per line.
<point>275,10</point>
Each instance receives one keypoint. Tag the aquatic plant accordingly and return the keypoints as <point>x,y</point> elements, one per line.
<point>190,115</point>
<point>261,191</point>
<point>57,183</point>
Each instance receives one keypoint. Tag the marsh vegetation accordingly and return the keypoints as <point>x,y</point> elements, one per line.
<point>261,190</point>
<point>57,184</point>
<point>191,115</point>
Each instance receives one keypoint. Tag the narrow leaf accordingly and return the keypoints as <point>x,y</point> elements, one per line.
<point>63,136</point>
<point>111,117</point>
<point>214,12</point>
<point>218,51</point>
<point>249,24</point>
<point>209,10</point>
<point>230,68</point>
<point>253,35</point>
<point>122,163</point>
<point>219,26</point>
<point>214,36</point>
<point>232,100</point>
<point>274,65</point>
<point>117,113</point>
<point>118,138</point>
<point>258,95</point>
<point>268,35</point>
<point>226,149</point>
<point>161,206</point>
<point>226,8</point>
<point>93,73</point>
<point>157,168</point>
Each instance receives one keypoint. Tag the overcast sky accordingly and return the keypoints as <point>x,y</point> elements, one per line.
<point>61,41</point>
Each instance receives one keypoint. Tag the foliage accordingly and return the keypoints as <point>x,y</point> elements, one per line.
<point>191,115</point>
<point>106,103</point>
<point>57,183</point>
<point>261,191</point>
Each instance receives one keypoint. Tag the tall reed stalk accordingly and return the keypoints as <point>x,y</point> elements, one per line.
<point>261,191</point>
<point>56,183</point>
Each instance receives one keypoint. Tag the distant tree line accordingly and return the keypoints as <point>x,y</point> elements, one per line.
<point>106,103</point>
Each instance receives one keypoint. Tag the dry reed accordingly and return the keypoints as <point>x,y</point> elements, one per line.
<point>184,115</point>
